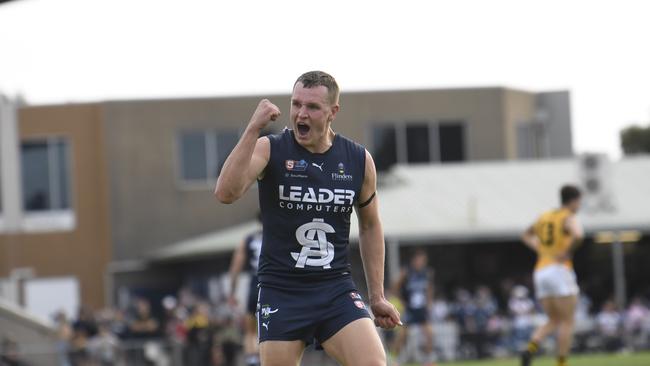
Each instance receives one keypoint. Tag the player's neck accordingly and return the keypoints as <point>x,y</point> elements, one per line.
<point>567,208</point>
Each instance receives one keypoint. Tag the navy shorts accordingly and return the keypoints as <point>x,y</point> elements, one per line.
<point>251,304</point>
<point>308,313</point>
<point>416,316</point>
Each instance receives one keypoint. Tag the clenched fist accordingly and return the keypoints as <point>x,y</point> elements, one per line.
<point>386,316</point>
<point>264,114</point>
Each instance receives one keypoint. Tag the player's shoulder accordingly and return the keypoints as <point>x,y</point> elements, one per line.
<point>279,136</point>
<point>351,144</point>
<point>545,215</point>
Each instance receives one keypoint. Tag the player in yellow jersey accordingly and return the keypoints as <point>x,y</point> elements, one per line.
<point>554,237</point>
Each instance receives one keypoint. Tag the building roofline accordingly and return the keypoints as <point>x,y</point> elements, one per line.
<point>275,94</point>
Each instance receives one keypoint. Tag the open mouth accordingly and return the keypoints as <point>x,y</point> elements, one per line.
<point>303,129</point>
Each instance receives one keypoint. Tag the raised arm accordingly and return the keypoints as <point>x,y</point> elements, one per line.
<point>248,159</point>
<point>372,247</point>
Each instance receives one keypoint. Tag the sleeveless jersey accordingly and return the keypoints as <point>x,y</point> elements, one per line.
<point>553,239</point>
<point>415,289</point>
<point>253,244</point>
<point>306,200</point>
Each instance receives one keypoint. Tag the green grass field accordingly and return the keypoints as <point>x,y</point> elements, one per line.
<point>635,359</point>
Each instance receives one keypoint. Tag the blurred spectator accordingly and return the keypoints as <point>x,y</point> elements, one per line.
<point>83,328</point>
<point>143,325</point>
<point>637,323</point>
<point>103,348</point>
<point>226,342</point>
<point>440,309</point>
<point>64,335</point>
<point>199,336</point>
<point>143,328</point>
<point>463,313</point>
<point>583,331</point>
<point>174,327</point>
<point>609,323</point>
<point>118,323</point>
<point>9,354</point>
<point>522,309</point>
<point>486,309</point>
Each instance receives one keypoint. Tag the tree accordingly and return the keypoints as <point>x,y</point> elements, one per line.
<point>635,140</point>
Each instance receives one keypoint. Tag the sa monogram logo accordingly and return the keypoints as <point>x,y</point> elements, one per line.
<point>312,236</point>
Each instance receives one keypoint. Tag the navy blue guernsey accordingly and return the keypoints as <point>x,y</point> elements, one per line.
<point>415,289</point>
<point>253,243</point>
<point>306,200</point>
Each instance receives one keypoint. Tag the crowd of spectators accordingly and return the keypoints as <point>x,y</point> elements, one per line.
<point>189,330</point>
<point>488,326</point>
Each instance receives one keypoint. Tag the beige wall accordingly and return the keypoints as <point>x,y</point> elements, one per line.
<point>479,108</point>
<point>85,251</point>
<point>518,107</point>
<point>151,207</point>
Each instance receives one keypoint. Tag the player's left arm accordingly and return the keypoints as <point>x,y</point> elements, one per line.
<point>372,248</point>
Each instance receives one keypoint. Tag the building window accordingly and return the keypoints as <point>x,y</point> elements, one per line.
<point>532,140</point>
<point>45,168</point>
<point>203,153</point>
<point>385,146</point>
<point>452,141</point>
<point>418,142</point>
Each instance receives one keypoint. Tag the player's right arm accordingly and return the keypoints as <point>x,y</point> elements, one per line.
<point>236,264</point>
<point>248,159</point>
<point>530,239</point>
<point>575,230</point>
<point>573,227</point>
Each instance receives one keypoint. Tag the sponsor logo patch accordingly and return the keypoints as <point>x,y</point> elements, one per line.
<point>355,296</point>
<point>360,304</point>
<point>295,165</point>
<point>340,175</point>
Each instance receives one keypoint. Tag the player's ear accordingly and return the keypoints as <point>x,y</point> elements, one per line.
<point>334,110</point>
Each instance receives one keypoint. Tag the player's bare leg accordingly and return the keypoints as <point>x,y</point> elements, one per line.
<point>427,330</point>
<point>396,347</point>
<point>251,351</point>
<point>566,309</point>
<point>551,311</point>
<point>356,344</point>
<point>281,353</point>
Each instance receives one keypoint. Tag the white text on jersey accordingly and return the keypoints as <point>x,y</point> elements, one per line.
<point>320,195</point>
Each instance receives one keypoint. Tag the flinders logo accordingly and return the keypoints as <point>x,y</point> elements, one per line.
<point>340,174</point>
